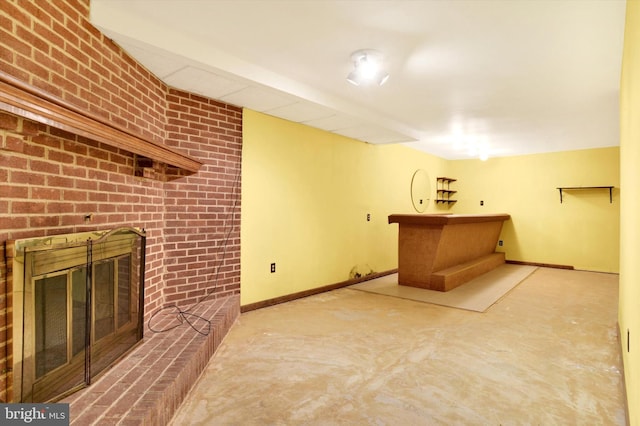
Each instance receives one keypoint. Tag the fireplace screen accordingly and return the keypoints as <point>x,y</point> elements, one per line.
<point>79,305</point>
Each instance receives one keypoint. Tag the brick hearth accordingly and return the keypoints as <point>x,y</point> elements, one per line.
<point>149,384</point>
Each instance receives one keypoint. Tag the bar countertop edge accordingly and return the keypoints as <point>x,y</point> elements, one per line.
<point>446,219</point>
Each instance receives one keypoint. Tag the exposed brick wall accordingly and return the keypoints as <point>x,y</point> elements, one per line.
<point>203,211</point>
<point>50,179</point>
<point>52,45</point>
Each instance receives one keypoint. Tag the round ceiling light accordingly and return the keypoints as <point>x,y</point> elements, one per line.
<point>368,68</point>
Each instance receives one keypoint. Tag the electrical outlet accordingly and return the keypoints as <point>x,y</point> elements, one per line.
<point>481,202</point>
<point>368,217</point>
<point>273,268</point>
<point>500,243</point>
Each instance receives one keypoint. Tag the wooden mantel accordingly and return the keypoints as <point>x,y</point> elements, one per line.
<point>442,251</point>
<point>24,100</point>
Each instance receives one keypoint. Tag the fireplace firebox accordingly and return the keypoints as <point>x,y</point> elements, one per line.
<point>77,308</point>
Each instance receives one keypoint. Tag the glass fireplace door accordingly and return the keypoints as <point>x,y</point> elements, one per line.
<point>60,323</point>
<point>81,310</point>
<point>114,327</point>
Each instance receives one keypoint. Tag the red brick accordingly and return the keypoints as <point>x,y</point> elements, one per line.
<point>14,70</point>
<point>106,187</point>
<point>71,41</point>
<point>14,43</point>
<point>45,193</point>
<point>60,157</point>
<point>34,68</point>
<point>13,222</point>
<point>72,146</point>
<point>50,10</point>
<point>12,143</point>
<point>71,195</point>
<point>108,208</point>
<point>36,12</point>
<point>27,177</point>
<point>59,208</point>
<point>98,197</point>
<point>73,9</point>
<point>86,207</point>
<point>58,55</point>
<point>43,222</point>
<point>6,23</point>
<point>31,151</point>
<point>87,162</point>
<point>44,167</point>
<point>31,128</point>
<point>71,221</point>
<point>27,207</point>
<point>76,101</point>
<point>98,154</point>
<point>74,171</point>
<point>60,182</point>
<point>89,185</point>
<point>97,36</point>
<point>12,191</point>
<point>60,81</point>
<point>87,48</point>
<point>107,166</point>
<point>8,121</point>
<point>47,140</point>
<point>45,84</point>
<point>78,79</point>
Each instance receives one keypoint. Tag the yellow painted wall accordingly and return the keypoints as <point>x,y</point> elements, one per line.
<point>305,197</point>
<point>582,232</point>
<point>629,304</point>
<point>306,194</point>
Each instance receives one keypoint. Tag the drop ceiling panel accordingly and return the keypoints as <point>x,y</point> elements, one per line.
<point>258,99</point>
<point>301,112</point>
<point>159,65</point>
<point>203,82</point>
<point>382,135</point>
<point>374,134</point>
<point>335,122</point>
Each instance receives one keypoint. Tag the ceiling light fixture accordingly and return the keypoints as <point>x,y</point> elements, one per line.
<point>368,68</point>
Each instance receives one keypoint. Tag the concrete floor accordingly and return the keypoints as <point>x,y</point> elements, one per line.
<point>545,354</point>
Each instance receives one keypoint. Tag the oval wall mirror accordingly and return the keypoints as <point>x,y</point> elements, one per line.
<point>420,190</point>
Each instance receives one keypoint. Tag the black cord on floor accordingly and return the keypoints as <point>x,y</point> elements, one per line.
<point>184,315</point>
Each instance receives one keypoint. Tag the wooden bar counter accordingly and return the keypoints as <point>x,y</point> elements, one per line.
<point>442,251</point>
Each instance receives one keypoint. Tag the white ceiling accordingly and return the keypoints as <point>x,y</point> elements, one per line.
<point>515,76</point>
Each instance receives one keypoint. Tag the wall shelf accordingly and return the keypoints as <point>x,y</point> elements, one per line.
<point>444,191</point>
<point>577,188</point>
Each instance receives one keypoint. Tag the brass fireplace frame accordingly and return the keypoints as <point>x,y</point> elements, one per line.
<point>35,260</point>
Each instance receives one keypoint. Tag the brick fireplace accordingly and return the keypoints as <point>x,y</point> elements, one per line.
<point>151,158</point>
